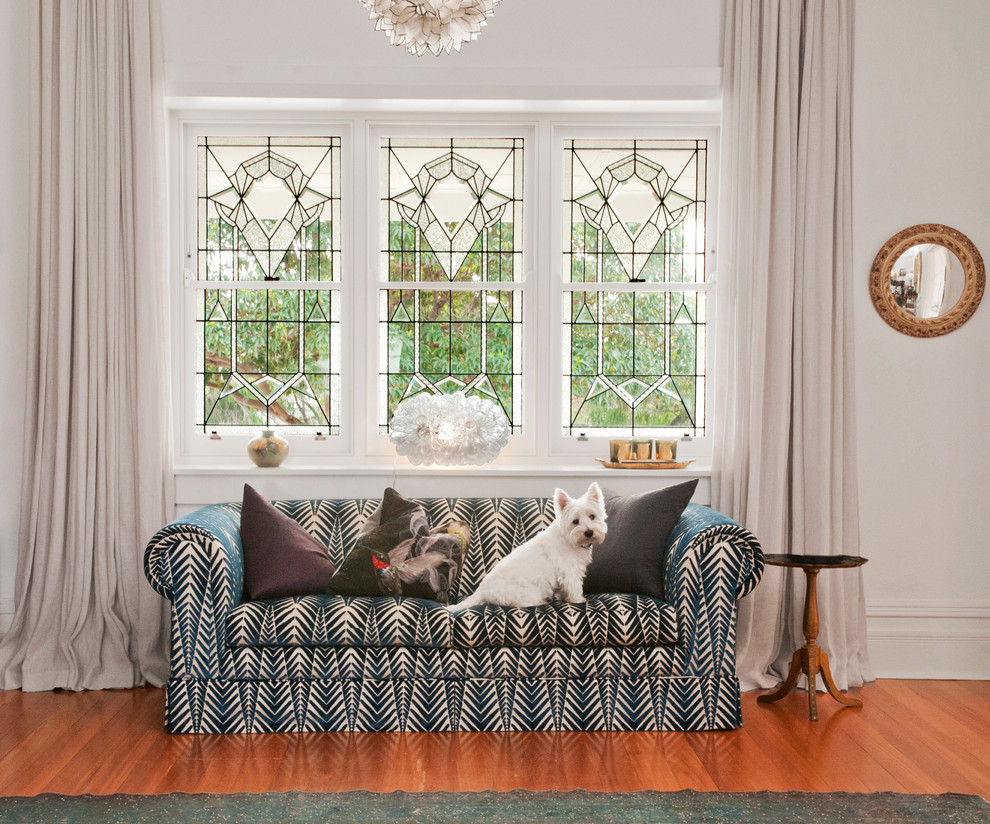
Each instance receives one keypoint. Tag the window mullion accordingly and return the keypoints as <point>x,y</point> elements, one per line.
<point>646,286</point>
<point>453,286</point>
<point>268,285</point>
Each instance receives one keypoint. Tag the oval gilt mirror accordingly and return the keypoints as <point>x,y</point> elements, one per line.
<point>927,280</point>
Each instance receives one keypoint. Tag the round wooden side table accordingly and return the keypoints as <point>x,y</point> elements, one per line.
<point>811,659</point>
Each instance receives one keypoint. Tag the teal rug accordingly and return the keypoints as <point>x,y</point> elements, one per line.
<point>517,807</point>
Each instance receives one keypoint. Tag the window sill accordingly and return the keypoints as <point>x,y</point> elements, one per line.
<point>700,468</point>
<point>196,485</point>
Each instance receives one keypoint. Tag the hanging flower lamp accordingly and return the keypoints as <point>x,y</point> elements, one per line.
<point>430,25</point>
<point>451,430</point>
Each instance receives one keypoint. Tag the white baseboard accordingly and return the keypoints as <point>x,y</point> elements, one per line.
<point>941,640</point>
<point>935,657</point>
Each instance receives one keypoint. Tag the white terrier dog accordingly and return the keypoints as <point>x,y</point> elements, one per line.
<point>548,564</point>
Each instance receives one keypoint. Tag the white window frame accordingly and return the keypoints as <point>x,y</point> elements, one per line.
<point>593,444</point>
<point>524,443</point>
<point>192,443</point>
<point>542,441</point>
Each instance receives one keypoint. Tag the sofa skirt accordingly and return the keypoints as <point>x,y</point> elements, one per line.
<point>674,703</point>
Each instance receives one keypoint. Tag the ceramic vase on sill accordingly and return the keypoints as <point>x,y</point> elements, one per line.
<point>268,449</point>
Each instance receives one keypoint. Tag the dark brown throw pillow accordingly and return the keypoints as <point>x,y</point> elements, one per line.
<point>396,553</point>
<point>630,559</point>
<point>280,557</point>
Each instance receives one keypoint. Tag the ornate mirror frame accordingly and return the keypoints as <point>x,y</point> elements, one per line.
<point>883,296</point>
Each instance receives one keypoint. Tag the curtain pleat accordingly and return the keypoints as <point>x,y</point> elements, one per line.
<point>785,451</point>
<point>97,446</point>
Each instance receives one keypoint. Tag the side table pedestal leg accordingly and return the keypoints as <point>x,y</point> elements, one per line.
<point>833,690</point>
<point>789,683</point>
<point>811,670</point>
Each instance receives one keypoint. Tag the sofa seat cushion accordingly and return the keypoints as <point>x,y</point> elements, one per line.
<point>339,621</point>
<point>606,620</point>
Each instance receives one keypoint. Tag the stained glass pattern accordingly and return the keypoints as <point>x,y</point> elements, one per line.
<point>635,218</point>
<point>635,210</point>
<point>451,341</point>
<point>634,358</point>
<point>269,215</point>
<point>269,358</point>
<point>451,213</point>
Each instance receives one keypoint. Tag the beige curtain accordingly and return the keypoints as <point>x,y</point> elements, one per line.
<point>786,461</point>
<point>96,448</point>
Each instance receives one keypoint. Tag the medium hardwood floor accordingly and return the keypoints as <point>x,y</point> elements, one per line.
<point>911,736</point>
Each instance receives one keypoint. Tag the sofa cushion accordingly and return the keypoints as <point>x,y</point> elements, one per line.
<point>606,620</point>
<point>280,557</point>
<point>630,559</point>
<point>331,621</point>
<point>396,553</point>
<point>366,569</point>
<point>339,621</point>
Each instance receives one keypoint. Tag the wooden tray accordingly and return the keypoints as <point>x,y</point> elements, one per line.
<point>644,464</point>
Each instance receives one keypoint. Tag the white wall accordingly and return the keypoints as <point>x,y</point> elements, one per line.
<point>529,49</point>
<point>922,133</point>
<point>921,123</point>
<point>14,107</point>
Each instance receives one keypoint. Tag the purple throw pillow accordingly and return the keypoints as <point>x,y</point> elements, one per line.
<point>280,557</point>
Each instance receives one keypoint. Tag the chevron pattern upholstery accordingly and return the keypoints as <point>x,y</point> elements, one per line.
<point>329,620</point>
<point>617,662</point>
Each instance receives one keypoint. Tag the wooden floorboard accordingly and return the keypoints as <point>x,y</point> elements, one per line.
<point>910,736</point>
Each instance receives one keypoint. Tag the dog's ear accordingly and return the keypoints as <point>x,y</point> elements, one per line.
<point>560,501</point>
<point>594,493</point>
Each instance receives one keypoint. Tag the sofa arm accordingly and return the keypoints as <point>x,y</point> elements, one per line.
<point>711,562</point>
<point>197,562</point>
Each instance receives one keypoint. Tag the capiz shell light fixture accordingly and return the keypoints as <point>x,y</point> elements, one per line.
<point>430,25</point>
<point>451,430</point>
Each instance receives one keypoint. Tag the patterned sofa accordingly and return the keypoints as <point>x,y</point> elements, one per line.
<point>617,662</point>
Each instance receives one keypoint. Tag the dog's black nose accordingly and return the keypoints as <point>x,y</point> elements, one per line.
<point>588,533</point>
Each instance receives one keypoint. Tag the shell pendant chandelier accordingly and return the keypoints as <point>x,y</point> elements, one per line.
<point>430,25</point>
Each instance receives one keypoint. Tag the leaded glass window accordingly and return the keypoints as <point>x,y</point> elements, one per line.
<point>634,293</point>
<point>452,245</point>
<point>268,305</point>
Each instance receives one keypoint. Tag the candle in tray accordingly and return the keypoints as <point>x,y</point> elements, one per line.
<point>666,450</point>
<point>619,451</point>
<point>641,449</point>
